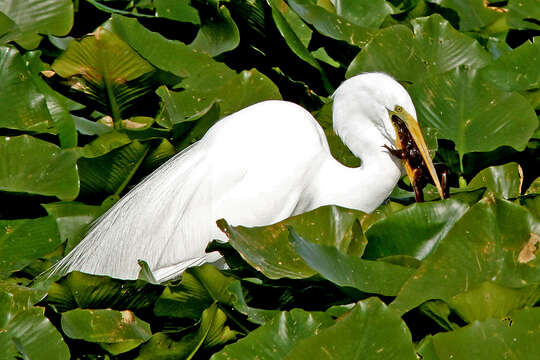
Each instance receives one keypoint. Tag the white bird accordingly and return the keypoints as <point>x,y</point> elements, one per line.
<point>255,167</point>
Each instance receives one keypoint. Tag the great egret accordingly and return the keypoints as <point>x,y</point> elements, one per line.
<point>255,167</point>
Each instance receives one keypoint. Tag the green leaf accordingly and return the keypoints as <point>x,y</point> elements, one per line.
<point>369,331</point>
<point>279,12</point>
<point>367,13</point>
<point>37,167</point>
<point>108,327</point>
<point>179,10</point>
<point>35,337</point>
<point>58,105</point>
<point>212,331</point>
<point>503,181</point>
<point>523,14</point>
<point>277,337</point>
<point>375,277</point>
<point>107,70</point>
<point>103,145</point>
<point>489,243</point>
<point>268,249</point>
<point>331,25</point>
<point>414,231</point>
<point>22,241</point>
<point>233,91</point>
<point>91,291</point>
<point>515,70</point>
<point>23,106</point>
<point>218,34</point>
<point>434,48</point>
<point>492,300</point>
<point>474,114</point>
<point>111,173</point>
<point>73,219</point>
<point>200,287</point>
<point>473,14</point>
<point>513,338</point>
<point>35,17</point>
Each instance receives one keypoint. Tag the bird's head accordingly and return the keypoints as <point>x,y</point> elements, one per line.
<point>372,111</point>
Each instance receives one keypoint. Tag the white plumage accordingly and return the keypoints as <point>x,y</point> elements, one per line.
<point>255,167</point>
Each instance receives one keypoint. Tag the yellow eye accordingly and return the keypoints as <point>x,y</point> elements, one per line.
<point>399,109</point>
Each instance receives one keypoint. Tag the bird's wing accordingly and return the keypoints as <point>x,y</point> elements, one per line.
<point>144,214</point>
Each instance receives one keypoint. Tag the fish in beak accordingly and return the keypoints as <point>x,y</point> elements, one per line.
<point>413,151</point>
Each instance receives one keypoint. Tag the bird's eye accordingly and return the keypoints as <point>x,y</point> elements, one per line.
<point>399,109</point>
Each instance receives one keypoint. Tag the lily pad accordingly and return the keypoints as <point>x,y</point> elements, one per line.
<point>107,70</point>
<point>523,14</point>
<point>277,337</point>
<point>414,231</point>
<point>484,245</point>
<point>367,13</point>
<point>473,14</point>
<point>22,105</point>
<point>200,287</point>
<point>34,17</point>
<point>179,10</point>
<point>515,70</point>
<point>37,167</point>
<point>378,333</point>
<point>108,327</point>
<point>514,337</point>
<point>471,112</point>
<point>268,249</point>
<point>218,34</point>
<point>503,181</point>
<point>377,277</point>
<point>206,80</point>
<point>433,48</point>
<point>330,24</point>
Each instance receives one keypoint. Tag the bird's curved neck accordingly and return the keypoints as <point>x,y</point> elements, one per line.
<point>363,188</point>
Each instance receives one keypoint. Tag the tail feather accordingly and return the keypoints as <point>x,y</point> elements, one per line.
<point>144,214</point>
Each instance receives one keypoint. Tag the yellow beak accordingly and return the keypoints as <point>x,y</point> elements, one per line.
<point>418,138</point>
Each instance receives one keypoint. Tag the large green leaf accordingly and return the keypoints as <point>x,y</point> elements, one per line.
<point>218,34</point>
<point>369,276</point>
<point>369,331</point>
<point>22,106</point>
<point>367,13</point>
<point>24,330</point>
<point>116,331</point>
<point>330,24</point>
<point>516,70</point>
<point>523,14</point>
<point>111,173</point>
<point>268,249</point>
<point>73,219</point>
<point>434,47</point>
<point>37,167</point>
<point>503,181</point>
<point>281,13</point>
<point>512,338</point>
<point>107,70</point>
<point>207,81</point>
<point>414,231</point>
<point>473,113</point>
<point>211,332</point>
<point>277,337</point>
<point>22,241</point>
<point>473,14</point>
<point>92,291</point>
<point>179,10</point>
<point>34,17</point>
<point>484,245</point>
<point>200,287</point>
